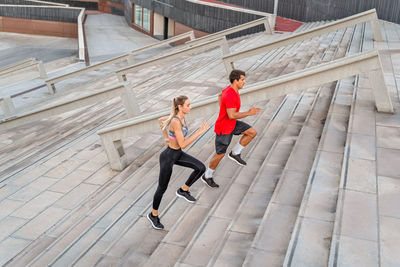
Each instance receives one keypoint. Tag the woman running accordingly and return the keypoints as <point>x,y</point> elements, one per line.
<point>175,140</point>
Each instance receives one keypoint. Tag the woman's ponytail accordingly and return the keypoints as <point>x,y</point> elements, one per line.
<point>171,115</point>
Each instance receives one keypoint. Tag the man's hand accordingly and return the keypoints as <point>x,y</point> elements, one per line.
<point>253,111</point>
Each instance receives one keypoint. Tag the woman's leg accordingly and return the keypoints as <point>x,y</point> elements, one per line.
<point>198,167</point>
<point>166,164</point>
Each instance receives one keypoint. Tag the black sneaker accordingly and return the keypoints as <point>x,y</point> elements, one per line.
<point>209,181</point>
<point>237,159</point>
<point>155,221</point>
<point>186,195</point>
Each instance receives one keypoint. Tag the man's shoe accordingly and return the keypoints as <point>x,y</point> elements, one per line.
<point>155,221</point>
<point>209,181</point>
<point>237,159</point>
<point>186,195</point>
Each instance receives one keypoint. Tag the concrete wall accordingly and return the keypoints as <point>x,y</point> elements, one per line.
<point>22,2</point>
<point>40,27</point>
<point>87,4</point>
<point>40,13</point>
<point>115,7</point>
<point>200,17</point>
<point>314,10</point>
<point>128,11</point>
<point>55,21</point>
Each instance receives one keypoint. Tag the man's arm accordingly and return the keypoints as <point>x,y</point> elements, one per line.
<point>219,98</point>
<point>233,115</point>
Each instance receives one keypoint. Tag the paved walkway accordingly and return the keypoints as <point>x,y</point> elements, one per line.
<point>110,35</point>
<point>16,47</point>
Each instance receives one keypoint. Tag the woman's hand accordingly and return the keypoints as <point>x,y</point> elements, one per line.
<point>204,127</point>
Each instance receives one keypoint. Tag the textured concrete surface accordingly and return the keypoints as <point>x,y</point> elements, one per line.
<point>58,187</point>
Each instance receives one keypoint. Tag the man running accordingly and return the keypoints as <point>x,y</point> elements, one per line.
<point>228,124</point>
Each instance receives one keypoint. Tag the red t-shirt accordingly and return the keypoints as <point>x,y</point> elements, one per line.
<point>229,99</point>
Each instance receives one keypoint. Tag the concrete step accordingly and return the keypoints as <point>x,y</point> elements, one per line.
<point>132,255</point>
<point>211,231</point>
<point>310,240</point>
<point>138,239</point>
<point>128,197</point>
<point>246,220</point>
<point>29,143</point>
<point>270,246</point>
<point>262,248</point>
<point>315,221</point>
<point>301,51</point>
<point>357,221</point>
<point>76,226</point>
<point>108,183</point>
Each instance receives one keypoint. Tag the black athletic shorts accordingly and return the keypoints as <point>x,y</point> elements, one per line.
<point>222,141</point>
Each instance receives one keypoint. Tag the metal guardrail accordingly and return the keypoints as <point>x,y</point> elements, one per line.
<point>7,106</point>
<point>271,17</point>
<point>52,81</point>
<point>369,15</point>
<point>81,37</point>
<point>367,62</point>
<point>9,109</point>
<point>23,65</point>
<point>81,42</point>
<point>221,42</point>
<point>241,27</point>
<point>17,64</point>
<point>89,98</point>
<point>49,3</point>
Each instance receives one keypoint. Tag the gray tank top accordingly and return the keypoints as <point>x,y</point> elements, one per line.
<point>184,129</point>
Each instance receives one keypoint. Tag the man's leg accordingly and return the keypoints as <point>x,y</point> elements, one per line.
<point>215,161</point>
<point>208,175</point>
<point>248,135</point>
<point>221,144</point>
<point>212,166</point>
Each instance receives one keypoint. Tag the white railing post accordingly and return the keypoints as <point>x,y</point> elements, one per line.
<point>115,153</point>
<point>81,42</point>
<point>229,66</point>
<point>191,36</point>
<point>7,106</point>
<point>268,26</point>
<point>41,69</point>
<point>225,46</point>
<point>376,29</point>
<point>51,88</point>
<point>130,102</point>
<point>121,77</point>
<point>383,102</point>
<point>130,59</point>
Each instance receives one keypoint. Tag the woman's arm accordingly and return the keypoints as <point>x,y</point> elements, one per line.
<point>182,142</point>
<point>160,122</point>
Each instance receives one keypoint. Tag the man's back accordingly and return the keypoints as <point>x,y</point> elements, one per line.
<point>229,99</point>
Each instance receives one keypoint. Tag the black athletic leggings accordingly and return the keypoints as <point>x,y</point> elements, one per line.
<point>168,158</point>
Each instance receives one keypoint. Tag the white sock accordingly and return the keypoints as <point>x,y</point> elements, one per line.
<point>209,173</point>
<point>237,149</point>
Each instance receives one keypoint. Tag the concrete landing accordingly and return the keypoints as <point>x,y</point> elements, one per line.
<point>17,47</point>
<point>110,36</point>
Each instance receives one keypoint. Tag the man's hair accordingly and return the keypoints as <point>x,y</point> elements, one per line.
<point>235,75</point>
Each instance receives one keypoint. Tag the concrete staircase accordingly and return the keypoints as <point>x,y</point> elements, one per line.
<point>294,204</point>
